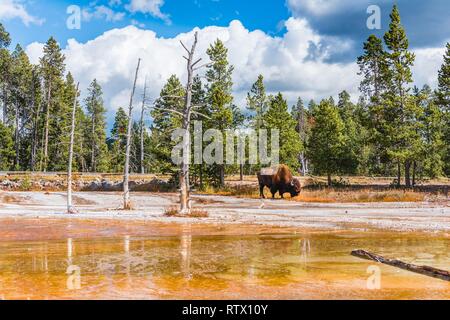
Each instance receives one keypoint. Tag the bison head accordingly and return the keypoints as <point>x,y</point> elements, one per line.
<point>295,188</point>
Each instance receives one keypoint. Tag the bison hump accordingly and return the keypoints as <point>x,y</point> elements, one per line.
<point>284,174</point>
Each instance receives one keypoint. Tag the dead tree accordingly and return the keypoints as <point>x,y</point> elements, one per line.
<point>70,208</point>
<point>126,176</point>
<point>186,113</point>
<point>424,270</point>
<point>142,127</point>
<point>185,207</point>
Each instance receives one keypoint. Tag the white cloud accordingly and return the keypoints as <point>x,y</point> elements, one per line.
<point>102,12</point>
<point>284,61</point>
<point>11,9</point>
<point>152,7</point>
<point>34,51</point>
<point>427,64</point>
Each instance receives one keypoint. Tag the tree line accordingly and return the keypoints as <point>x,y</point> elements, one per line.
<point>394,129</point>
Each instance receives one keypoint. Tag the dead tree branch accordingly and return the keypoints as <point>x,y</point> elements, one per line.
<point>424,270</point>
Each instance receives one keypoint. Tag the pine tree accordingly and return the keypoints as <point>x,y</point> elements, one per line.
<point>219,94</point>
<point>353,144</point>
<point>429,161</point>
<point>327,141</point>
<point>59,125</point>
<point>97,143</point>
<point>52,69</point>
<point>117,142</point>
<point>399,126</point>
<point>257,103</point>
<point>21,111</point>
<point>5,71</point>
<point>443,100</point>
<point>373,67</point>
<point>5,63</point>
<point>164,123</point>
<point>82,137</point>
<point>278,117</point>
<point>37,123</point>
<point>7,153</point>
<point>5,39</point>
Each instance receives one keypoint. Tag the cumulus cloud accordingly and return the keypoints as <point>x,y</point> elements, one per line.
<point>153,7</point>
<point>102,12</point>
<point>347,19</point>
<point>428,62</point>
<point>284,61</point>
<point>11,9</point>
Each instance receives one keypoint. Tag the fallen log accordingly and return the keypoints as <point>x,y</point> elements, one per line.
<point>424,270</point>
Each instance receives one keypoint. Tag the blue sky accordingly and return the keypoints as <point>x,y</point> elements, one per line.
<point>427,22</point>
<point>182,17</point>
<point>303,48</point>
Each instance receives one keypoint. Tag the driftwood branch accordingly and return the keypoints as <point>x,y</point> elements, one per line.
<point>424,270</point>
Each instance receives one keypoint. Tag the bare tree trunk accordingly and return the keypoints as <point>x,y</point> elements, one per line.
<point>82,160</point>
<point>201,176</point>
<point>34,143</point>
<point>330,182</point>
<point>303,162</point>
<point>70,208</point>
<point>93,165</point>
<point>47,117</point>
<point>408,173</point>
<point>414,174</point>
<point>142,128</point>
<point>17,137</point>
<point>222,175</point>
<point>241,172</point>
<point>126,176</point>
<point>399,175</point>
<point>5,103</point>
<point>185,207</point>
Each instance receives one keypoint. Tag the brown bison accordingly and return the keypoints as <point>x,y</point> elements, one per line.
<point>278,180</point>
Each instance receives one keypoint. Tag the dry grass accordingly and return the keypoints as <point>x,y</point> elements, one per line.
<point>327,195</point>
<point>173,212</point>
<point>359,196</point>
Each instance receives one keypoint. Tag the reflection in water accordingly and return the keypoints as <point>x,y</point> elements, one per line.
<point>69,251</point>
<point>305,251</point>
<point>247,266</point>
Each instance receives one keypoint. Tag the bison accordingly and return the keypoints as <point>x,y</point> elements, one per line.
<point>278,180</point>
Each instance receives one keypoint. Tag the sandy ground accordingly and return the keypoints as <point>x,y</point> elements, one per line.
<point>429,217</point>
